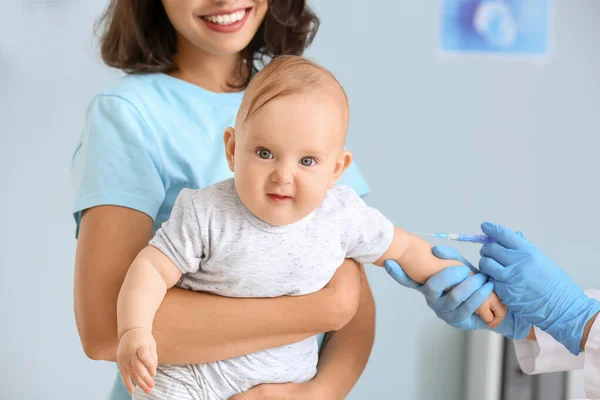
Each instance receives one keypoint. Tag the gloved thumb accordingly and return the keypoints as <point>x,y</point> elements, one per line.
<point>396,272</point>
<point>448,253</point>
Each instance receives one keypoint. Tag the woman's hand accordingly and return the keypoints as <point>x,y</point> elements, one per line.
<point>284,391</point>
<point>343,294</point>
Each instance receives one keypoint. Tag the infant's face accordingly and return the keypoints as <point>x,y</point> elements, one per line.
<point>286,155</point>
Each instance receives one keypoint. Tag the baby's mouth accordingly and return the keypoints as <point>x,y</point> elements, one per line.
<point>278,197</point>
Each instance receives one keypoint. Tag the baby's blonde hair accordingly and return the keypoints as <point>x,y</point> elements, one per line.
<point>287,75</point>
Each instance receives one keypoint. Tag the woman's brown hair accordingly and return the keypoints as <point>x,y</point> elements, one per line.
<point>137,36</point>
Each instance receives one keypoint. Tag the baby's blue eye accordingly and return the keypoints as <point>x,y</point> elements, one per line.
<point>264,154</point>
<point>308,161</point>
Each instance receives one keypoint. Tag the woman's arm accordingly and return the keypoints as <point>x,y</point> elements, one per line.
<point>190,327</point>
<point>345,353</point>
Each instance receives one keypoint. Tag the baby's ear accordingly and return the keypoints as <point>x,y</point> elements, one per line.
<point>341,165</point>
<point>229,139</point>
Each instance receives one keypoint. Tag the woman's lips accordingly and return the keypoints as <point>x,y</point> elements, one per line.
<point>227,21</point>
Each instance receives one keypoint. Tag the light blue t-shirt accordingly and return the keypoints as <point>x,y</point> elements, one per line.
<point>147,137</point>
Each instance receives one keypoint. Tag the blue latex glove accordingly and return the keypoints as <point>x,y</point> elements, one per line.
<point>535,288</point>
<point>457,306</point>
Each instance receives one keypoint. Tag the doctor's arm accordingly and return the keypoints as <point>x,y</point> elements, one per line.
<point>586,332</point>
<point>541,353</point>
<point>536,289</point>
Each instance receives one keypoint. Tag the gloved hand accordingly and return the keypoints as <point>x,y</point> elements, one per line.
<point>457,306</point>
<point>535,288</point>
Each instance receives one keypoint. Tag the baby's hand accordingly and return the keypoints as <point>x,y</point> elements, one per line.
<point>492,311</point>
<point>137,358</point>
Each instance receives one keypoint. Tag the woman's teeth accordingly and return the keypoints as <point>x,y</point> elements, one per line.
<point>226,19</point>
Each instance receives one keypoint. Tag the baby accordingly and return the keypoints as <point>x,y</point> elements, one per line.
<point>279,228</point>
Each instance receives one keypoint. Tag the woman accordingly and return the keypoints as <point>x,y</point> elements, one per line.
<point>158,130</point>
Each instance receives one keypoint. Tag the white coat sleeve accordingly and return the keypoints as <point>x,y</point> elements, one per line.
<point>547,355</point>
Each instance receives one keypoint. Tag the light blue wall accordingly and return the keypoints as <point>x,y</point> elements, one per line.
<point>49,71</point>
<point>448,142</point>
<point>444,143</point>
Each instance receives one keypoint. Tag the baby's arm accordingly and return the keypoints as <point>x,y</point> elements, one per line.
<point>371,234</point>
<point>144,288</point>
<point>415,256</point>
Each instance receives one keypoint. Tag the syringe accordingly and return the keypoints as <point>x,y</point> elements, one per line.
<point>461,237</point>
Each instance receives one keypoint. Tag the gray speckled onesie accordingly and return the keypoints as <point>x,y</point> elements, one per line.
<point>222,248</point>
